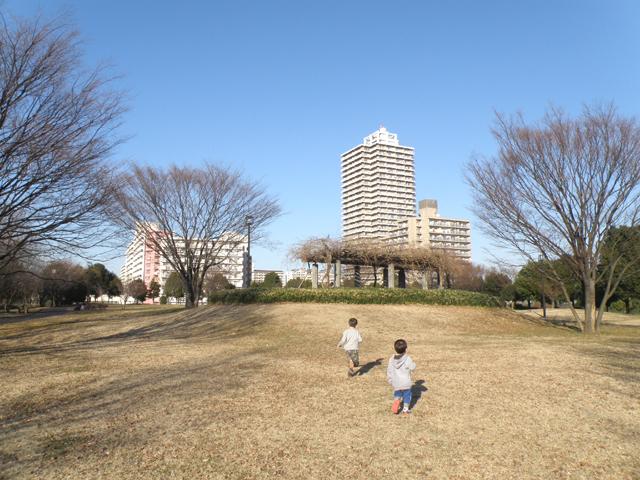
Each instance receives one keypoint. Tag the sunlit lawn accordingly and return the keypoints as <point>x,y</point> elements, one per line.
<point>261,392</point>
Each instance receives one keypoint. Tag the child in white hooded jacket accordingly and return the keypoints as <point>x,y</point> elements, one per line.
<point>399,376</point>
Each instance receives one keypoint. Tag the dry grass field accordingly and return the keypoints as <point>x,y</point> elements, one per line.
<point>244,392</point>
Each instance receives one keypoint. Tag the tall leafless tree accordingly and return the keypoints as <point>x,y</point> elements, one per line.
<point>555,189</point>
<point>57,127</point>
<point>194,217</point>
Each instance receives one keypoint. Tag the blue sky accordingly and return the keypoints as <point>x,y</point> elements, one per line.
<point>280,89</point>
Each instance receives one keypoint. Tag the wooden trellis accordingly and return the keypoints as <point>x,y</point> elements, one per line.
<point>370,253</point>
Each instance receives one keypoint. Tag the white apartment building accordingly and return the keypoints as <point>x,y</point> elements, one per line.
<point>145,262</point>
<point>134,263</point>
<point>299,273</point>
<point>378,186</point>
<point>259,275</point>
<point>431,230</point>
<point>304,273</point>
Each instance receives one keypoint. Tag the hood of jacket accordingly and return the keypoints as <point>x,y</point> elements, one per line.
<point>399,361</point>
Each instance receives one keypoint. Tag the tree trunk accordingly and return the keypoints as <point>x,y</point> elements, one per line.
<point>627,305</point>
<point>589,306</point>
<point>529,303</point>
<point>191,297</point>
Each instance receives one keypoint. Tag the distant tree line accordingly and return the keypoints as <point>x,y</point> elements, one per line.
<point>57,283</point>
<point>532,282</point>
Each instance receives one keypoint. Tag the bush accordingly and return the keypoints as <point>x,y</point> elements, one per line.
<point>355,295</point>
<point>617,306</point>
<point>298,283</point>
<point>163,300</point>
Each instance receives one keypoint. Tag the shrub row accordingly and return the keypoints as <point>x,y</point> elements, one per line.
<point>354,295</point>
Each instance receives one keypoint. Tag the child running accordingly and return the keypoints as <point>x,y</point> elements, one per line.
<point>399,376</point>
<point>350,341</point>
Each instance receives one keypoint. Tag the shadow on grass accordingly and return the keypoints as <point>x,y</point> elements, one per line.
<point>367,367</point>
<point>28,328</point>
<point>417,390</point>
<point>44,313</point>
<point>110,408</point>
<point>105,406</point>
<point>568,325</point>
<point>202,324</point>
<point>620,359</point>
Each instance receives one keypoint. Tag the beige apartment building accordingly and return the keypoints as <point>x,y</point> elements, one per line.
<point>378,186</point>
<point>430,230</point>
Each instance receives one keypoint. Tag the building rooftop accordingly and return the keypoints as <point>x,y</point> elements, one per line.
<point>382,135</point>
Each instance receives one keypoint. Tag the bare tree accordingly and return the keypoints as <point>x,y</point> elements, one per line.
<point>323,248</point>
<point>466,275</point>
<point>194,217</point>
<point>555,189</point>
<point>21,287</point>
<point>56,132</point>
<point>135,289</point>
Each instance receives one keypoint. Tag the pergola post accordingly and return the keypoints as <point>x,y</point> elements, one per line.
<point>314,275</point>
<point>357,282</point>
<point>425,280</point>
<point>402,278</point>
<point>337,274</point>
<point>391,276</point>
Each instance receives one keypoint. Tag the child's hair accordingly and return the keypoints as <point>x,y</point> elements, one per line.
<point>353,322</point>
<point>400,346</point>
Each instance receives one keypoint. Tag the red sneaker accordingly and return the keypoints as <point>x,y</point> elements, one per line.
<point>395,408</point>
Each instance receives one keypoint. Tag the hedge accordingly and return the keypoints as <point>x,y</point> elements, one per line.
<point>354,295</point>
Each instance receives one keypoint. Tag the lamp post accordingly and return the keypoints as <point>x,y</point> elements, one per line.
<point>544,300</point>
<point>247,274</point>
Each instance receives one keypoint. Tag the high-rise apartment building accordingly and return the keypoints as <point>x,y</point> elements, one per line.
<point>430,230</point>
<point>378,186</point>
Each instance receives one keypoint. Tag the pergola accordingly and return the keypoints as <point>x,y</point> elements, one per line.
<point>370,253</point>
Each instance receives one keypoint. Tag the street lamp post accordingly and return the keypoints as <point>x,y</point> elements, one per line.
<point>544,300</point>
<point>247,276</point>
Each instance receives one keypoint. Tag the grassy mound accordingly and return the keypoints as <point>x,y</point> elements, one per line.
<point>355,296</point>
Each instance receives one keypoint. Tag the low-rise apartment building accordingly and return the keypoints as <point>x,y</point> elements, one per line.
<point>145,262</point>
<point>258,276</point>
